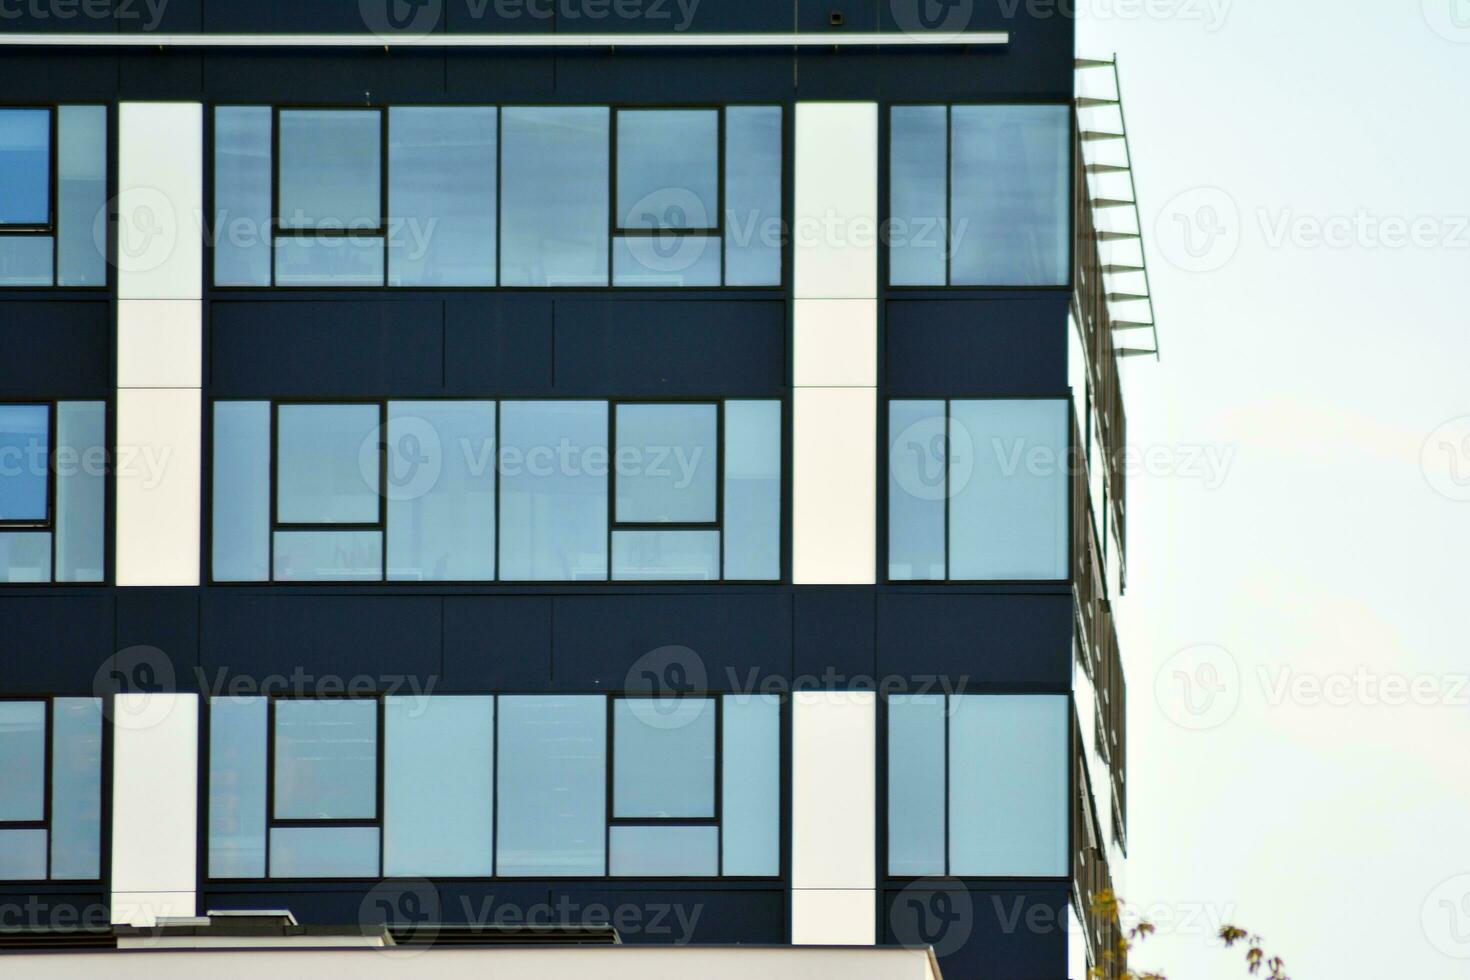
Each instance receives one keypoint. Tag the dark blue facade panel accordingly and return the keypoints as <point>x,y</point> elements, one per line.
<point>56,350</point>
<point>497,643</point>
<point>1000,934</point>
<point>387,643</point>
<point>352,77</point>
<point>67,909</point>
<point>659,914</point>
<point>986,347</point>
<point>978,642</point>
<point>835,637</point>
<point>54,644</point>
<point>157,640</point>
<point>499,344</point>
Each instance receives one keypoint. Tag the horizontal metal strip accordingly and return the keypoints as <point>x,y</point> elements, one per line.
<point>388,39</point>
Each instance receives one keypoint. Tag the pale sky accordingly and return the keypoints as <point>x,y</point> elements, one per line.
<point>1300,769</point>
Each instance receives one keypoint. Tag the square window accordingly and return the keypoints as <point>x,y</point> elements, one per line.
<point>328,464</point>
<point>326,760</point>
<point>25,450</point>
<point>668,168</point>
<point>331,169</point>
<point>667,461</point>
<point>25,167</point>
<point>664,758</point>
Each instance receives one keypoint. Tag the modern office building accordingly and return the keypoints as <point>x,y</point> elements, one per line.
<point>469,466</point>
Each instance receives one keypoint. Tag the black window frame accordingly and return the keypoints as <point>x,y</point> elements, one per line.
<point>53,194</point>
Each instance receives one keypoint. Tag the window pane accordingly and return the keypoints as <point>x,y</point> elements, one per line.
<point>329,261</point>
<point>1009,520</point>
<point>552,786</point>
<point>331,166</point>
<point>237,767</point>
<point>666,556</point>
<point>752,490</point>
<point>22,855</point>
<point>76,789</point>
<point>918,155</point>
<point>664,757</point>
<point>324,852</point>
<point>242,491</point>
<point>25,556</point>
<point>916,752</point>
<point>25,449</point>
<point>81,490</point>
<point>553,491</point>
<point>25,260</point>
<point>441,491</point>
<point>751,789</point>
<point>82,146</point>
<point>667,463</point>
<point>1008,786</point>
<point>327,464</point>
<point>668,168</point>
<point>753,196</point>
<point>25,166</point>
<point>328,556</point>
<point>554,205</point>
<point>326,764</point>
<point>667,260</point>
<point>242,196</point>
<point>918,456</point>
<point>665,852</point>
<point>438,796</point>
<point>22,760</point>
<point>1010,176</point>
<point>441,172</point>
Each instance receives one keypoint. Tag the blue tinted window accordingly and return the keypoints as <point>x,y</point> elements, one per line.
<point>25,556</point>
<point>237,782</point>
<point>330,168</point>
<point>1008,519</point>
<point>918,154</point>
<point>242,196</point>
<point>25,260</point>
<point>916,775</point>
<point>750,794</point>
<point>442,174</point>
<point>552,786</point>
<point>553,494</point>
<point>82,196</point>
<point>752,476</point>
<point>333,260</point>
<point>753,196</point>
<point>22,855</point>
<point>242,491</point>
<point>663,757</point>
<point>25,449</point>
<point>76,789</point>
<point>25,166</point>
<point>326,759</point>
<point>81,490</point>
<point>666,260</point>
<point>666,555</point>
<point>327,464</point>
<point>668,168</point>
<point>328,556</point>
<point>441,491</point>
<point>667,462</point>
<point>664,852</point>
<point>554,204</point>
<point>918,460</point>
<point>1008,786</point>
<point>22,760</point>
<point>1011,200</point>
<point>438,775</point>
<point>324,852</point>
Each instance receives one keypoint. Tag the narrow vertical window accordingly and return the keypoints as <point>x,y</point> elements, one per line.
<point>554,202</point>
<point>442,164</point>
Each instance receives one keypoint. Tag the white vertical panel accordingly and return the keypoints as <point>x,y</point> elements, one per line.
<point>158,519</point>
<point>160,203</point>
<point>155,773</point>
<point>835,349</point>
<point>833,824</point>
<point>159,343</point>
<point>835,219</point>
<point>834,494</point>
